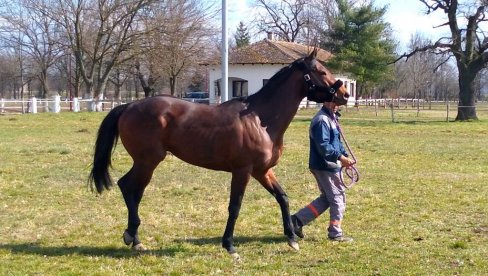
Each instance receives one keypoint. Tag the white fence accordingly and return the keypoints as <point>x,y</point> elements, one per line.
<point>55,105</point>
<point>401,109</point>
<point>396,102</point>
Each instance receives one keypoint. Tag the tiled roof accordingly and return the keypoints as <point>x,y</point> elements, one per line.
<point>271,52</point>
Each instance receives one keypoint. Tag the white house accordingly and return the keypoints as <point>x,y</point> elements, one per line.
<point>252,66</point>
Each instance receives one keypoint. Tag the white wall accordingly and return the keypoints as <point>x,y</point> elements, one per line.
<point>254,74</point>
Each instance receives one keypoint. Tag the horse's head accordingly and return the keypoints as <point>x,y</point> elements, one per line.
<point>322,86</point>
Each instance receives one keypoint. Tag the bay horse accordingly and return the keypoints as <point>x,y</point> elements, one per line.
<point>243,136</point>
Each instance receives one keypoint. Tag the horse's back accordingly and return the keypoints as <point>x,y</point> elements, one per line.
<point>203,135</point>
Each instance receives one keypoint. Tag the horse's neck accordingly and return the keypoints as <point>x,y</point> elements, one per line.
<point>278,110</point>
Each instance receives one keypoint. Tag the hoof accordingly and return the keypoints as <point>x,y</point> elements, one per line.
<point>293,244</point>
<point>128,239</point>
<point>231,249</point>
<point>139,248</point>
<point>236,257</point>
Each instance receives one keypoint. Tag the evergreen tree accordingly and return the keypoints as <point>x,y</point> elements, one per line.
<point>359,43</point>
<point>242,36</point>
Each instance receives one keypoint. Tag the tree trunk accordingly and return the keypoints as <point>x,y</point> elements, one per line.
<point>359,91</point>
<point>100,89</point>
<point>88,90</point>
<point>172,85</point>
<point>44,84</point>
<point>467,99</point>
<point>146,85</point>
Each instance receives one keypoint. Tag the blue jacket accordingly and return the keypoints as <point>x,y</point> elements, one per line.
<point>325,143</point>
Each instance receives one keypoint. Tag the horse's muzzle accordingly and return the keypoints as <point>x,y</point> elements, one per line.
<point>341,99</point>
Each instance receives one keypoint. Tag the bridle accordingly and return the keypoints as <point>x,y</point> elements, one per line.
<point>313,89</point>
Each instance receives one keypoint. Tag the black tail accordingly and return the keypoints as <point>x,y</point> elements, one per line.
<point>108,134</point>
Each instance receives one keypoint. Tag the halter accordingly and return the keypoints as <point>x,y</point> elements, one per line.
<point>313,88</point>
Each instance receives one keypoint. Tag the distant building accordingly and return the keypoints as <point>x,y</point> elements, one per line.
<point>252,66</point>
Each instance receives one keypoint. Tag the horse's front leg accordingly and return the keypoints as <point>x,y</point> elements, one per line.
<point>270,183</point>
<point>239,182</point>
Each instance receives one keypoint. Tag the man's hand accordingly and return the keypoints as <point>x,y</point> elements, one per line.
<point>346,162</point>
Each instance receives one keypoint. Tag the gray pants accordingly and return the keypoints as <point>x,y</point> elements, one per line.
<point>333,196</point>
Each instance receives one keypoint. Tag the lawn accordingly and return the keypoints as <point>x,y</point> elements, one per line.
<point>420,207</point>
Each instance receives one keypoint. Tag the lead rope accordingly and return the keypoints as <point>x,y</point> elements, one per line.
<point>351,172</point>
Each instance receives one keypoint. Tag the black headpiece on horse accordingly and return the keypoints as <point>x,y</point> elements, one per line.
<point>315,92</point>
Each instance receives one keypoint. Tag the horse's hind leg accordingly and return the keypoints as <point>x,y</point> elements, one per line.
<point>132,186</point>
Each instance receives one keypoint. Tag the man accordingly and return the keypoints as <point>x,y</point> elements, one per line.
<point>327,156</point>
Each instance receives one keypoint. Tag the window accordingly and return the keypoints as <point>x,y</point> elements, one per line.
<point>217,88</point>
<point>239,88</point>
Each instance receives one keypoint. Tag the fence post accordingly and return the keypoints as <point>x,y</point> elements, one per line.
<point>447,118</point>
<point>76,104</point>
<point>55,105</point>
<point>2,105</point>
<point>33,105</point>
<point>392,113</point>
<point>418,107</point>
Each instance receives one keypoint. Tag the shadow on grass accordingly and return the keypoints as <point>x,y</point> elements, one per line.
<point>126,252</point>
<point>111,252</point>
<point>237,240</point>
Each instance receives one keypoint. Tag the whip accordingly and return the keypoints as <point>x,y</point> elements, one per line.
<point>351,172</point>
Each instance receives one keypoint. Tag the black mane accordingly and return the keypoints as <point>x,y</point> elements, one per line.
<point>268,89</point>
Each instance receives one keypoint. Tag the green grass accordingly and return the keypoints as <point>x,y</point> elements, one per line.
<point>420,207</point>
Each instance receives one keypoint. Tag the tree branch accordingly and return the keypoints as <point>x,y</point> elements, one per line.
<point>442,63</point>
<point>438,4</point>
<point>434,46</point>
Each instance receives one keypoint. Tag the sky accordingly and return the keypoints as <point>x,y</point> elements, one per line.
<point>406,17</point>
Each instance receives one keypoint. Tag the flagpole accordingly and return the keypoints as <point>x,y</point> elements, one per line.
<point>225,55</point>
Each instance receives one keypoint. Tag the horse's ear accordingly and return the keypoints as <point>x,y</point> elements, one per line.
<point>314,52</point>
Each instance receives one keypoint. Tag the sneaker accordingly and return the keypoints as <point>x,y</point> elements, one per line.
<point>297,226</point>
<point>341,239</point>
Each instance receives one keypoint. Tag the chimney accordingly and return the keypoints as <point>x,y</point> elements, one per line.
<point>270,36</point>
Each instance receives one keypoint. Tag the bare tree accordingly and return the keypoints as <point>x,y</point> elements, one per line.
<point>483,84</point>
<point>445,86</point>
<point>284,18</point>
<point>9,75</point>
<point>468,45</point>
<point>182,40</point>
<point>421,76</point>
<point>297,20</point>
<point>25,26</point>
<point>147,76</point>
<point>320,16</point>
<point>118,77</point>
<point>322,12</point>
<point>417,73</point>
<point>100,33</point>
